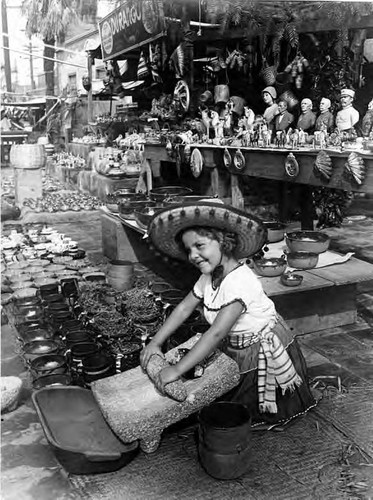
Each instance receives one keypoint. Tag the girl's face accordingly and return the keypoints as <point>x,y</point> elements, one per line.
<point>203,251</point>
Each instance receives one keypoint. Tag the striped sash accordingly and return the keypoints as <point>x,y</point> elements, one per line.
<point>275,368</point>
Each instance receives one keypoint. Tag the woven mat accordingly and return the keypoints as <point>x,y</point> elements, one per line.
<point>302,462</point>
<point>352,414</point>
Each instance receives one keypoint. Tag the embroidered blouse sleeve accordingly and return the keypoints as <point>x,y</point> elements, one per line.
<point>199,287</point>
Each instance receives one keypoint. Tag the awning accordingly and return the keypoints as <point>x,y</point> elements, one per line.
<point>132,85</point>
<point>38,101</point>
<point>93,46</point>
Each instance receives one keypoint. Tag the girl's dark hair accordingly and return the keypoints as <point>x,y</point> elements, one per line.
<point>227,240</point>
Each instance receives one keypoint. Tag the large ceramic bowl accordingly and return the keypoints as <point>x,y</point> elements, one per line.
<point>189,198</point>
<point>144,215</point>
<point>160,194</point>
<point>126,210</point>
<point>270,267</point>
<point>123,197</point>
<point>307,241</point>
<point>49,364</point>
<point>302,260</point>
<point>37,348</point>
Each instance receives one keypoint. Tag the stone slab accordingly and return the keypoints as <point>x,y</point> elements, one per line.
<point>134,408</point>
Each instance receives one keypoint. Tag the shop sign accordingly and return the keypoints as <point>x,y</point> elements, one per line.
<point>132,24</point>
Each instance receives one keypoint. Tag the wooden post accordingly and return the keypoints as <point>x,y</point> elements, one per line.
<point>215,181</point>
<point>238,200</point>
<point>89,102</point>
<point>306,207</point>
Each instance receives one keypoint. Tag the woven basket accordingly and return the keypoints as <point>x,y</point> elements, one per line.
<point>268,75</point>
<point>27,156</point>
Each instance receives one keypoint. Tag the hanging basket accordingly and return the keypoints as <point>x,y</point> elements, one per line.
<point>268,73</point>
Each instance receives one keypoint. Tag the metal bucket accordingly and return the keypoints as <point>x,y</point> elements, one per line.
<point>224,439</point>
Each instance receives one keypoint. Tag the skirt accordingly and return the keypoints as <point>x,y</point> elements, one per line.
<point>290,404</point>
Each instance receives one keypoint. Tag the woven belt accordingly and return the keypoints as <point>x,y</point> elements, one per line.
<point>241,342</point>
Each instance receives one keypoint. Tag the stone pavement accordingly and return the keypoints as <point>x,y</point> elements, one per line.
<point>29,468</point>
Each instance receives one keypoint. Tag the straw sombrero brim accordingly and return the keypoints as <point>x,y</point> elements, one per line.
<point>168,222</point>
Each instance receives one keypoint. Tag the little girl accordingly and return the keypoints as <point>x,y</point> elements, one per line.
<point>243,320</point>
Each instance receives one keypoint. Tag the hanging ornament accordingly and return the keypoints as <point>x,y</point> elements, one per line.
<point>355,168</point>
<point>142,68</point>
<point>196,162</point>
<point>154,57</point>
<point>227,158</point>
<point>323,166</point>
<point>239,161</point>
<point>187,153</point>
<point>291,166</point>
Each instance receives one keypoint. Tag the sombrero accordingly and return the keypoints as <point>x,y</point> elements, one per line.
<point>168,222</point>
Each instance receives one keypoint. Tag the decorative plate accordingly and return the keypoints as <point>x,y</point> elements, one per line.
<point>227,159</point>
<point>182,96</point>
<point>239,160</point>
<point>291,166</point>
<point>196,162</point>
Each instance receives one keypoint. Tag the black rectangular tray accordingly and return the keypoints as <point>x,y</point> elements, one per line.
<point>78,433</point>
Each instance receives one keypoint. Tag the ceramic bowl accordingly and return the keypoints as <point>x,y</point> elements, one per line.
<point>10,392</point>
<point>38,348</point>
<point>307,241</point>
<point>270,267</point>
<point>49,364</point>
<point>24,293</point>
<point>290,279</point>
<point>191,198</point>
<point>19,285</point>
<point>302,260</point>
<point>50,380</point>
<point>34,335</point>
<point>275,230</point>
<point>162,193</point>
<point>18,265</point>
<point>127,210</point>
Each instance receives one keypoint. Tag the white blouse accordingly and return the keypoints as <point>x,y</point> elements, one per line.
<point>240,285</point>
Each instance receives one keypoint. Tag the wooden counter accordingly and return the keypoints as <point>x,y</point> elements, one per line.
<point>269,163</point>
<point>80,149</point>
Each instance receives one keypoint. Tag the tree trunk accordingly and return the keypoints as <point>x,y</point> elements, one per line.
<point>49,70</point>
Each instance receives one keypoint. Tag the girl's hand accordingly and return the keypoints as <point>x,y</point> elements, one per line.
<point>147,353</point>
<point>165,376</point>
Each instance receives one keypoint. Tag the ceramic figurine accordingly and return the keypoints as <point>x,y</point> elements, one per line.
<point>206,120</point>
<point>269,96</point>
<point>367,122</point>
<point>307,118</point>
<point>325,120</point>
<point>284,119</point>
<point>249,118</point>
<point>348,116</point>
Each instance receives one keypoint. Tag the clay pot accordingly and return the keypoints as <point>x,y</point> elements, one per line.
<point>205,97</point>
<point>221,94</point>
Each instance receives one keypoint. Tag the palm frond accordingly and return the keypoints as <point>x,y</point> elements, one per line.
<point>291,35</point>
